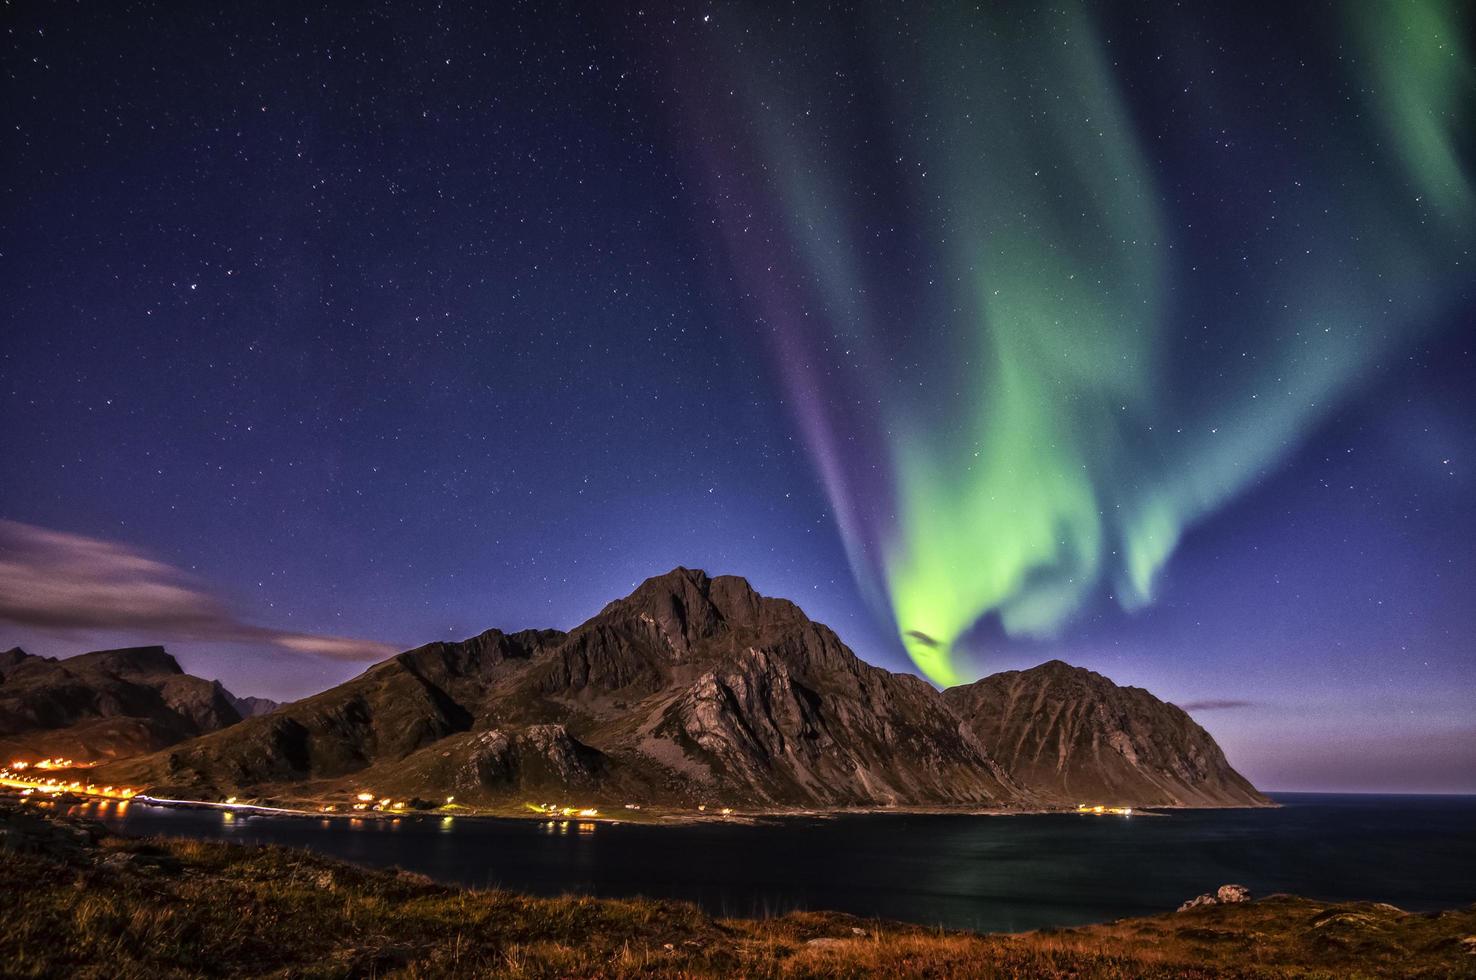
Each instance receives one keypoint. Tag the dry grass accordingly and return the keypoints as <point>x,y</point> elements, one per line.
<point>106,907</point>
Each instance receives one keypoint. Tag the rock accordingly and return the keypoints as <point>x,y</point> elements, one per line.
<point>1226,895</point>
<point>119,861</point>
<point>147,861</point>
<point>1233,893</point>
<point>1198,901</point>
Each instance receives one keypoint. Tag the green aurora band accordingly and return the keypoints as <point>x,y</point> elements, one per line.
<point>1056,451</point>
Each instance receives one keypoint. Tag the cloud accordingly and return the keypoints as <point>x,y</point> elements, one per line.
<point>63,582</point>
<point>1214,705</point>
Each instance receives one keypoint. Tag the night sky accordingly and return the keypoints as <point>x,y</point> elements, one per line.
<point>1134,335</point>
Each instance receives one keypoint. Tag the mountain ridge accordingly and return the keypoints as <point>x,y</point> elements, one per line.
<point>690,690</point>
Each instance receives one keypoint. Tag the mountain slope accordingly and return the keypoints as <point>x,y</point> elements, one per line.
<point>692,689</point>
<point>110,703</point>
<point>1072,736</point>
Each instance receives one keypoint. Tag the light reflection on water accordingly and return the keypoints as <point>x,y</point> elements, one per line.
<point>991,873</point>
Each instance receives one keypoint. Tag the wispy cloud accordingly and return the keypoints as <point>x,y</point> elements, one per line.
<point>1214,705</point>
<point>63,583</point>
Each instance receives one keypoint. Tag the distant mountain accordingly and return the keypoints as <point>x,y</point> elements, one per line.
<point>106,704</point>
<point>249,707</point>
<point>690,690</point>
<point>1073,736</point>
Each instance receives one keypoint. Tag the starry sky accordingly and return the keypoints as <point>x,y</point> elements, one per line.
<point>1128,334</point>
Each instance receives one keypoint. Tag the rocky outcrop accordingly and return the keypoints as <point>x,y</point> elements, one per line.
<point>1072,736</point>
<point>1225,895</point>
<point>106,704</point>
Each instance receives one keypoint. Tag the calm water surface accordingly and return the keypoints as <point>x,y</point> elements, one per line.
<point>986,873</point>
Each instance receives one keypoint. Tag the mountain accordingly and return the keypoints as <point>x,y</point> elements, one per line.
<point>1072,736</point>
<point>106,704</point>
<point>696,690</point>
<point>249,707</point>
<point>689,690</point>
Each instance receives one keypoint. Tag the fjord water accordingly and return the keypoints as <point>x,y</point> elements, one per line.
<point>990,873</point>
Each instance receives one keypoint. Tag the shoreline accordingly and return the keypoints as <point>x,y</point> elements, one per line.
<point>648,816</point>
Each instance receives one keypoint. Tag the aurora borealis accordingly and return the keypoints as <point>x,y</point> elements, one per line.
<point>1101,325</point>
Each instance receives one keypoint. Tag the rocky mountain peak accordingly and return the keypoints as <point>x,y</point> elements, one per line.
<point>687,605</point>
<point>678,603</point>
<point>1056,673</point>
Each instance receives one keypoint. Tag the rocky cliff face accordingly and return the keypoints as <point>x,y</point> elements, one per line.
<point>690,690</point>
<point>110,703</point>
<point>1073,736</point>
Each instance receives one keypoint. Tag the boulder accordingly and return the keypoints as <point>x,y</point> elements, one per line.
<point>1233,893</point>
<point>1198,901</point>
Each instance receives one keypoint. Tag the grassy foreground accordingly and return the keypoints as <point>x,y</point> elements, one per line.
<point>75,902</point>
